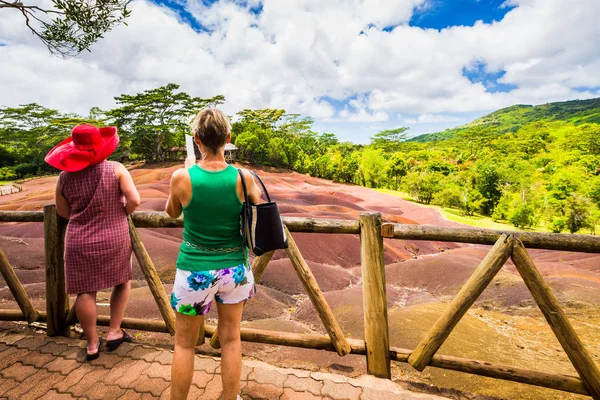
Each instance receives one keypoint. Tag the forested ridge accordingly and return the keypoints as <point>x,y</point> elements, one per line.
<point>512,118</point>
<point>529,166</point>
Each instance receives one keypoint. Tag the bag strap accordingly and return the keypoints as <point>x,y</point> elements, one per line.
<point>243,186</point>
<point>244,221</point>
<point>261,184</point>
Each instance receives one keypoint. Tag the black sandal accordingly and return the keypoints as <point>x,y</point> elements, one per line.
<point>93,356</point>
<point>112,345</point>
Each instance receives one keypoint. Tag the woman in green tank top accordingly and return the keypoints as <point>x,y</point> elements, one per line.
<point>212,262</point>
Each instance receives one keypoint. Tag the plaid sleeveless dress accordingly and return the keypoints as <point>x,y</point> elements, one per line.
<point>97,242</point>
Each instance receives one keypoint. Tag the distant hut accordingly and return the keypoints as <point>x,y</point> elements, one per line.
<point>230,152</point>
<point>175,153</point>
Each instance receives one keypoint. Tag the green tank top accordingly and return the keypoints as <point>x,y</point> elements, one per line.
<point>211,222</point>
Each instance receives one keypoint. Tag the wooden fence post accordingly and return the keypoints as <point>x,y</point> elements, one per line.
<point>557,319</point>
<point>481,278</point>
<point>154,283</point>
<point>57,300</point>
<point>17,290</point>
<point>316,296</point>
<point>377,340</point>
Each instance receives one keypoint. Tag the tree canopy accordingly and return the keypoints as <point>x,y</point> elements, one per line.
<point>157,119</point>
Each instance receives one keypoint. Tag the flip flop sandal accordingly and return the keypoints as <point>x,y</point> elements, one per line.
<point>93,356</point>
<point>112,345</point>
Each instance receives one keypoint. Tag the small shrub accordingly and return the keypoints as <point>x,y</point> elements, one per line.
<point>559,224</point>
<point>7,174</point>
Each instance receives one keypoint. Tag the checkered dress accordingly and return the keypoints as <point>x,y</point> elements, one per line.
<point>97,242</point>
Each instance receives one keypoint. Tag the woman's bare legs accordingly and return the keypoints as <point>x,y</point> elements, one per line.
<point>187,329</point>
<point>85,307</point>
<point>118,304</point>
<point>230,318</point>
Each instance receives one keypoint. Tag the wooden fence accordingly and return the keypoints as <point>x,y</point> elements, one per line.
<point>375,346</point>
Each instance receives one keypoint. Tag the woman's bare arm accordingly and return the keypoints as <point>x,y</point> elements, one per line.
<point>174,207</point>
<point>252,188</point>
<point>63,208</point>
<point>127,188</point>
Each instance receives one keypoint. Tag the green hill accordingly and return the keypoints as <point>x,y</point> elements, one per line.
<point>512,118</point>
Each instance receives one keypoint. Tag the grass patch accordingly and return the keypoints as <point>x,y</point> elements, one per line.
<point>481,221</point>
<point>477,220</point>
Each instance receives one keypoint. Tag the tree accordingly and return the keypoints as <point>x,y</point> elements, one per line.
<point>157,119</point>
<point>503,208</point>
<point>594,190</point>
<point>372,168</point>
<point>253,143</point>
<point>265,118</point>
<point>438,165</point>
<point>276,152</point>
<point>523,215</point>
<point>389,140</point>
<point>325,141</point>
<point>578,213</point>
<point>477,137</point>
<point>489,182</point>
<point>586,139</point>
<point>28,132</point>
<point>565,182</point>
<point>450,196</point>
<point>397,168</point>
<point>424,185</point>
<point>322,167</point>
<point>69,27</point>
<point>345,165</point>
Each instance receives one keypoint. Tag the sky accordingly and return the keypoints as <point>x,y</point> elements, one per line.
<point>356,66</point>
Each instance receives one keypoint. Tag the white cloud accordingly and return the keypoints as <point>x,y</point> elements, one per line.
<point>296,52</point>
<point>431,119</point>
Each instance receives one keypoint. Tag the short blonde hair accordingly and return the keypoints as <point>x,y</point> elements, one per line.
<point>211,126</point>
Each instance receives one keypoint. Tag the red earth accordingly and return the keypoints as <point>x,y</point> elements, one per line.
<point>420,275</point>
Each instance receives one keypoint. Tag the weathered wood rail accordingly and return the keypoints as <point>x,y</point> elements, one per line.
<point>376,346</point>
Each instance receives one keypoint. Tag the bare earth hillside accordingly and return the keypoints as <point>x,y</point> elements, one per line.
<point>505,326</point>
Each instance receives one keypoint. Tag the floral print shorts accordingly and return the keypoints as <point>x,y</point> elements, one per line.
<point>194,291</point>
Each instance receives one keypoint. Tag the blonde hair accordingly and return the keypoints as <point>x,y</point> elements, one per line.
<point>211,126</point>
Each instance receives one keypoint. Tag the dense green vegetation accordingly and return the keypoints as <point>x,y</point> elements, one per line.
<point>534,169</point>
<point>513,118</point>
<point>529,166</point>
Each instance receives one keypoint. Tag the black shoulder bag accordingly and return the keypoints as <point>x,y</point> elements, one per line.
<point>261,223</point>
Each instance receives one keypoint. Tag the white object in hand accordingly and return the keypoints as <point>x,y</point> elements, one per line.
<point>189,146</point>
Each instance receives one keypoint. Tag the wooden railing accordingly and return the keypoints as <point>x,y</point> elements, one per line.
<point>375,346</point>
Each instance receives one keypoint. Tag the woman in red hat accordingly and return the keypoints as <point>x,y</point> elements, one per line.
<point>96,196</point>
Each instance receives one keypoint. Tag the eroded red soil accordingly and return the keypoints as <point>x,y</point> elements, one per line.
<point>421,276</point>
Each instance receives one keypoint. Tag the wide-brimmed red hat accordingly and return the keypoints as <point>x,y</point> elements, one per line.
<point>87,145</point>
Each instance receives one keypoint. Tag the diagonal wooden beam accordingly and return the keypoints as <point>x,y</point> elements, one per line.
<point>557,319</point>
<point>316,296</point>
<point>258,267</point>
<point>17,289</point>
<point>151,275</point>
<point>481,278</point>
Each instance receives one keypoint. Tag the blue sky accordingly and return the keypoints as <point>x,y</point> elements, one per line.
<point>440,14</point>
<point>356,67</point>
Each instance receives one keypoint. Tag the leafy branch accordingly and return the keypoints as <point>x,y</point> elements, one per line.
<point>71,26</point>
